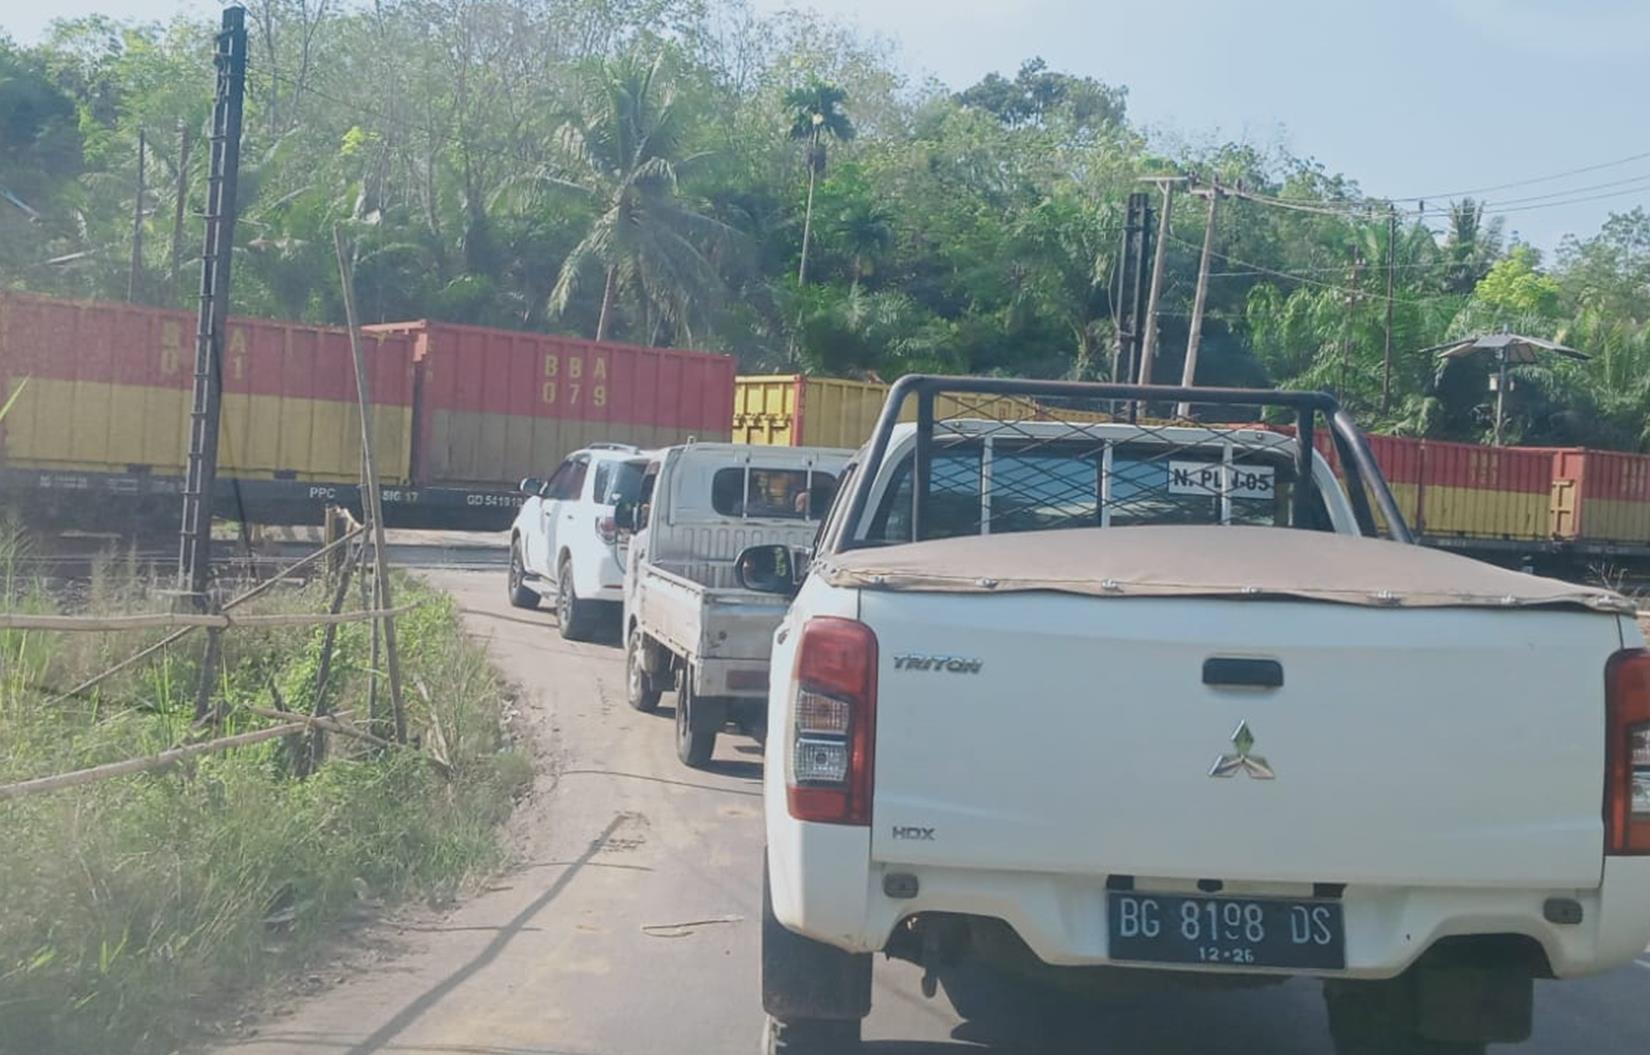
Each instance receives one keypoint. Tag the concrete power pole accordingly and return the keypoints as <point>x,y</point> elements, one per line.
<point>1391,260</point>
<point>1194,337</point>
<point>1148,347</point>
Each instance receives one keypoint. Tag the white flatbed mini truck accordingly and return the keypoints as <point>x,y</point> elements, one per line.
<point>1102,704</point>
<point>688,623</point>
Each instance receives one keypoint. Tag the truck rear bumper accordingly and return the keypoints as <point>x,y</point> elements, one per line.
<point>738,679</point>
<point>1063,918</point>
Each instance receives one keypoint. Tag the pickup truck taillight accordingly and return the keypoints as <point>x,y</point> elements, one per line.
<point>1627,753</point>
<point>833,715</point>
<point>607,528</point>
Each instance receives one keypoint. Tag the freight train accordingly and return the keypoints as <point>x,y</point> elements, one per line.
<point>97,431</point>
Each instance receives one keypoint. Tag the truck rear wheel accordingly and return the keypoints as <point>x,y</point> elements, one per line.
<point>640,691</point>
<point>695,734</point>
<point>520,595</point>
<point>815,994</point>
<point>1378,1018</point>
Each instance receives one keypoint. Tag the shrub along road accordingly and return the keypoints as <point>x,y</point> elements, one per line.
<point>631,928</point>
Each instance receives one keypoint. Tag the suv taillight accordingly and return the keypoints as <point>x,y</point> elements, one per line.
<point>607,528</point>
<point>833,720</point>
<point>1627,753</point>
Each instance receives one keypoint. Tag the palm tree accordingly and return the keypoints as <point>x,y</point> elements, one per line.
<point>626,144</point>
<point>816,113</point>
<point>865,230</point>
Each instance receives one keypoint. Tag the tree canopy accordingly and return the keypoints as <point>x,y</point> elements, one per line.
<point>645,170</point>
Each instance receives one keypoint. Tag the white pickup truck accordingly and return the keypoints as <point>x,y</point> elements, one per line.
<point>1117,704</point>
<point>687,621</point>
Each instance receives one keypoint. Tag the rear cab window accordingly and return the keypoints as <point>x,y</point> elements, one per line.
<point>983,488</point>
<point>784,494</point>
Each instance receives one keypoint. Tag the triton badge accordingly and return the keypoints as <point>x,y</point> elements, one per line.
<point>949,664</point>
<point>1242,761</point>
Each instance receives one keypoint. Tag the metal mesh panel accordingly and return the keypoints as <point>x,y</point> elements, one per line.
<point>1004,463</point>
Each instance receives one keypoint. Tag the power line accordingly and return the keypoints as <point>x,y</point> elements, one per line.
<point>1294,277</point>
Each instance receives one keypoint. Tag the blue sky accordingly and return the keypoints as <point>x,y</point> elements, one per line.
<point>1411,97</point>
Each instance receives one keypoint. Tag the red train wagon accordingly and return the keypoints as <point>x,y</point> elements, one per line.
<point>1473,491</point>
<point>494,406</point>
<point>105,388</point>
<point>1600,496</point>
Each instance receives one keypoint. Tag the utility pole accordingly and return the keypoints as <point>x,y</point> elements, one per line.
<point>1354,298</point>
<point>1194,337</point>
<point>1391,260</point>
<point>183,196</point>
<point>1127,310</point>
<point>1148,349</point>
<point>137,223</point>
<point>206,403</point>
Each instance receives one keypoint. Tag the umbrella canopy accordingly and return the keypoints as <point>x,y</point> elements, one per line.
<point>1511,348</point>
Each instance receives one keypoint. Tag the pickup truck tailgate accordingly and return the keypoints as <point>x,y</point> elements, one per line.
<point>1419,746</point>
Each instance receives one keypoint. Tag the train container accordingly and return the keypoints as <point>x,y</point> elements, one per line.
<point>494,406</point>
<point>1600,496</point>
<point>803,410</point>
<point>105,388</point>
<point>1400,459</point>
<point>1472,491</point>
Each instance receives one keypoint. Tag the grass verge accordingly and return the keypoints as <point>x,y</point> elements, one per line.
<point>132,909</point>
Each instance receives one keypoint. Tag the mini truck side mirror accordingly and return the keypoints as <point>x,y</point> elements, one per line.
<point>530,486</point>
<point>767,569</point>
<point>624,515</point>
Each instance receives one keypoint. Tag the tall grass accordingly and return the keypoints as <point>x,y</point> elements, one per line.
<point>133,908</point>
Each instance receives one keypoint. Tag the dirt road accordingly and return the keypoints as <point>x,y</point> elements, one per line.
<point>632,928</point>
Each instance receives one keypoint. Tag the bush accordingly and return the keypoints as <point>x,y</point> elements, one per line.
<point>131,903</point>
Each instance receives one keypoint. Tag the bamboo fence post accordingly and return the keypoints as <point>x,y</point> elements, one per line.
<point>373,505</point>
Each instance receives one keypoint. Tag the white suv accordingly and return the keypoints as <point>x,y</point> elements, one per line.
<point>564,541</point>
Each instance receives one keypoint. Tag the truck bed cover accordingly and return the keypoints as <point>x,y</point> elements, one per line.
<point>1211,561</point>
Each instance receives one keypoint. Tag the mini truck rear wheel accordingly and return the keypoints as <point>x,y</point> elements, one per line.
<point>640,690</point>
<point>696,726</point>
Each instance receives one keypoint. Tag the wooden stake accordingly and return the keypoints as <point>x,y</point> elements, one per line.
<point>374,501</point>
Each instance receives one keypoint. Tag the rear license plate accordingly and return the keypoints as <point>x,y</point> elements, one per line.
<point>1229,931</point>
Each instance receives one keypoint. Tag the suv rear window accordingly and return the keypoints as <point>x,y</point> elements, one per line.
<point>790,494</point>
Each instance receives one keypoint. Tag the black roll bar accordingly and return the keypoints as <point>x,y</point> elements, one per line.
<point>1357,461</point>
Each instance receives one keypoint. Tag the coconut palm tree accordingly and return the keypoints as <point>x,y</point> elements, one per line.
<point>626,148</point>
<point>816,115</point>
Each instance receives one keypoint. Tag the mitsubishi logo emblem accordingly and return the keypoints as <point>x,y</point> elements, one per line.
<point>1241,761</point>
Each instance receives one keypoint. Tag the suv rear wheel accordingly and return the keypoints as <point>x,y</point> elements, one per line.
<point>520,595</point>
<point>577,618</point>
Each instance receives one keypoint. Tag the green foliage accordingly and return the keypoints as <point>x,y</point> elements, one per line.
<point>629,168</point>
<point>131,903</point>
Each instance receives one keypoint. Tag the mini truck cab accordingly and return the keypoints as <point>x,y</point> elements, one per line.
<point>1096,704</point>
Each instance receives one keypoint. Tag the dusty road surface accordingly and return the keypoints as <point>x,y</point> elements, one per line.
<point>632,928</point>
